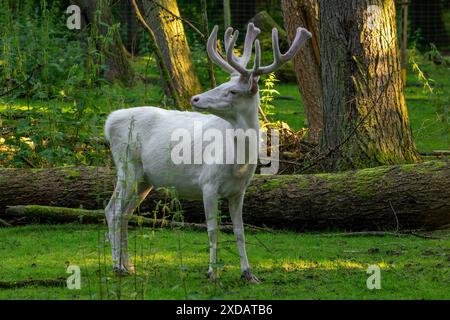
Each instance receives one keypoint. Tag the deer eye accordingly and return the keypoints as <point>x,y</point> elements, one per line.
<point>233,92</point>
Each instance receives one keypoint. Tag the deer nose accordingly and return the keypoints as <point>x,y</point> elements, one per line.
<point>195,99</point>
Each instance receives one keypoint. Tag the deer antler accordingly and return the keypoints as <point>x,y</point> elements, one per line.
<point>211,48</point>
<point>252,33</point>
<point>233,64</point>
<point>279,59</point>
<point>250,37</point>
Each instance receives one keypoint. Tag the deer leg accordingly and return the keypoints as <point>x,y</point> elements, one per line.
<point>235,205</point>
<point>128,194</point>
<point>210,202</point>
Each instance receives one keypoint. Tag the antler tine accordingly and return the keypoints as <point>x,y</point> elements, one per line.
<point>227,37</point>
<point>257,62</point>
<point>231,57</point>
<point>211,48</point>
<point>250,36</point>
<point>279,59</point>
<point>300,38</point>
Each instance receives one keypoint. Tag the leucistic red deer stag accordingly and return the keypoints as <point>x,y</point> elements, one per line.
<point>141,138</point>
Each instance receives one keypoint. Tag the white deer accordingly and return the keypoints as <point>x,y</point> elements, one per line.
<point>140,139</point>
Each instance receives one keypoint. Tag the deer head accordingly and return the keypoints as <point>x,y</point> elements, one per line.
<point>239,96</point>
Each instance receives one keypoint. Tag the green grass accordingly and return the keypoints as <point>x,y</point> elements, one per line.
<point>291,266</point>
<point>290,111</point>
<point>429,114</point>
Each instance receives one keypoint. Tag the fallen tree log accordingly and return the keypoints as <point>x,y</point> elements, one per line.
<point>383,198</point>
<point>57,215</point>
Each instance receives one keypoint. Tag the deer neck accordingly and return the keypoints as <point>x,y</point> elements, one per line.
<point>248,120</point>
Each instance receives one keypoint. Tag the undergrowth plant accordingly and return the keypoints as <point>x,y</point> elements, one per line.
<point>432,89</point>
<point>49,101</point>
<point>268,94</point>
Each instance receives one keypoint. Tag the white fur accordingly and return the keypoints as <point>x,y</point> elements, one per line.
<point>140,140</point>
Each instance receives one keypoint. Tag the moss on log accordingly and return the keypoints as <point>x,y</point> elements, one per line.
<point>382,198</point>
<point>57,215</point>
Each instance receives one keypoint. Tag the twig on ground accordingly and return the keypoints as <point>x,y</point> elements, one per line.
<point>395,215</point>
<point>263,244</point>
<point>32,282</point>
<point>3,223</point>
<point>385,233</point>
<point>23,82</point>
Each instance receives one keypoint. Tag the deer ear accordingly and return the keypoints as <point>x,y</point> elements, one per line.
<point>253,84</point>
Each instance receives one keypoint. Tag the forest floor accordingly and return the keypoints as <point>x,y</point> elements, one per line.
<point>172,264</point>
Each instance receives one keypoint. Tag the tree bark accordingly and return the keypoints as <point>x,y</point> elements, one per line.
<point>304,13</point>
<point>382,198</point>
<point>170,37</point>
<point>226,13</point>
<point>365,118</point>
<point>118,66</point>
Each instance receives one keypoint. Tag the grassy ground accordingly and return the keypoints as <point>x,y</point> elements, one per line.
<point>172,264</point>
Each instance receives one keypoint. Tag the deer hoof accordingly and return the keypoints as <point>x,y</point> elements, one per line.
<point>248,276</point>
<point>211,275</point>
<point>124,269</point>
<point>214,279</point>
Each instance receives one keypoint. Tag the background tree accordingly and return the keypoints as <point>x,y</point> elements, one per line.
<point>304,13</point>
<point>118,66</point>
<point>168,30</point>
<point>427,18</point>
<point>226,13</point>
<point>365,118</point>
<point>130,24</point>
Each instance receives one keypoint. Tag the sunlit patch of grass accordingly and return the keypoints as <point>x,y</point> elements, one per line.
<point>323,265</point>
<point>291,266</point>
<point>16,107</point>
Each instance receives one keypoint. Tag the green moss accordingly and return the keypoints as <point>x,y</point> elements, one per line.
<point>48,212</point>
<point>425,167</point>
<point>272,184</point>
<point>333,181</point>
<point>72,174</point>
<point>367,180</point>
<point>303,183</point>
<point>277,182</point>
<point>251,190</point>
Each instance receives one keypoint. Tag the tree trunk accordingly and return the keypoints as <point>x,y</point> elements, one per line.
<point>304,13</point>
<point>382,198</point>
<point>226,13</point>
<point>118,66</point>
<point>130,23</point>
<point>365,118</point>
<point>172,42</point>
